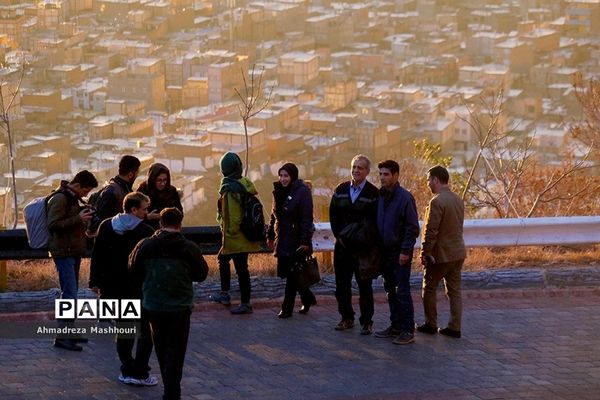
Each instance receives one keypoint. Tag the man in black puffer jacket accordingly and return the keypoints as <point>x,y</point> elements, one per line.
<point>164,266</point>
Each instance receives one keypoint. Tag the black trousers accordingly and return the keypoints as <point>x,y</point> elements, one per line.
<point>240,262</point>
<point>345,267</point>
<point>170,332</point>
<point>135,367</point>
<point>291,286</point>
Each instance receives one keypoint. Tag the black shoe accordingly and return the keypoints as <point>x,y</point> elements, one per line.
<point>366,329</point>
<point>450,332</point>
<point>67,344</point>
<point>305,307</point>
<point>426,328</point>
<point>282,314</point>
<point>80,340</point>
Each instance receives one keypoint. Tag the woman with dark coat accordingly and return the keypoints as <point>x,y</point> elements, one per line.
<point>160,191</point>
<point>290,234</point>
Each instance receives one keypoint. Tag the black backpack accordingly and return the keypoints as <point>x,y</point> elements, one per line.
<point>253,220</point>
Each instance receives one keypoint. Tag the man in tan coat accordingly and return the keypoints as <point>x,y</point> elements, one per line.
<point>442,253</point>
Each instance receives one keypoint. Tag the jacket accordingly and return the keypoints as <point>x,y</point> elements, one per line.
<point>443,228</point>
<point>116,239</point>
<point>110,201</point>
<point>291,223</point>
<point>397,220</point>
<point>159,200</point>
<point>164,266</point>
<point>230,213</point>
<point>66,228</point>
<point>343,213</point>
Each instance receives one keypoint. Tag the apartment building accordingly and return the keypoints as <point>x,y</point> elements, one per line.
<point>298,69</point>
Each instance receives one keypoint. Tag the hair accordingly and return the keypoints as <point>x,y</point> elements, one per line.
<point>128,164</point>
<point>170,217</point>
<point>439,172</point>
<point>291,169</point>
<point>391,165</point>
<point>85,179</point>
<point>362,157</point>
<point>134,199</point>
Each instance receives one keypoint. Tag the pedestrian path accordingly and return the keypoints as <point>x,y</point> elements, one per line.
<point>517,344</point>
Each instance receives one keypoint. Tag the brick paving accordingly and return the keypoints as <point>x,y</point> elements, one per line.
<point>517,344</point>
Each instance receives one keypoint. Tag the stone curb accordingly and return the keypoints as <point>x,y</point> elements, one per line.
<point>266,291</point>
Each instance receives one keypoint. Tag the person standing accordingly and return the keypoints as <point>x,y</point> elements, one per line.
<point>398,225</point>
<point>290,234</point>
<point>109,200</point>
<point>109,278</point>
<point>160,191</point>
<point>353,202</point>
<point>234,246</point>
<point>67,243</point>
<point>442,252</point>
<point>165,265</point>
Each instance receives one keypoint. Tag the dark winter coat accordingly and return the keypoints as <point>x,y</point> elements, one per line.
<point>164,266</point>
<point>291,223</point>
<point>397,220</point>
<point>110,257</point>
<point>159,200</point>
<point>110,201</point>
<point>66,228</point>
<point>343,213</point>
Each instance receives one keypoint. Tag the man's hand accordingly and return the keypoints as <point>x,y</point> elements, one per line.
<point>154,215</point>
<point>86,215</point>
<point>271,244</point>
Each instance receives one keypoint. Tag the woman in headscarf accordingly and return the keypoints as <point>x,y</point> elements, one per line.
<point>160,191</point>
<point>235,246</point>
<point>290,234</point>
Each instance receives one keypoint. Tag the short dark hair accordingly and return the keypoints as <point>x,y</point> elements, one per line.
<point>128,164</point>
<point>391,165</point>
<point>85,179</point>
<point>134,199</point>
<point>439,172</point>
<point>170,217</point>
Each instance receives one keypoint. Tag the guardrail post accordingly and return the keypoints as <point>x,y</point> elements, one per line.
<point>326,256</point>
<point>3,272</point>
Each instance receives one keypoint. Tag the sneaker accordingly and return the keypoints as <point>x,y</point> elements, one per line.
<point>67,344</point>
<point>129,380</point>
<point>366,329</point>
<point>244,308</point>
<point>450,332</point>
<point>426,328</point>
<point>222,298</point>
<point>387,332</point>
<point>404,338</point>
<point>344,324</point>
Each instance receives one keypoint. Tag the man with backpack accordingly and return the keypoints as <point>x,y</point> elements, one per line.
<point>234,193</point>
<point>67,220</point>
<point>109,200</point>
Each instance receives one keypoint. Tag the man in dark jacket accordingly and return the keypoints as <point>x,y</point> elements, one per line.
<point>398,225</point>
<point>109,277</point>
<point>353,202</point>
<point>67,244</point>
<point>109,201</point>
<point>165,265</point>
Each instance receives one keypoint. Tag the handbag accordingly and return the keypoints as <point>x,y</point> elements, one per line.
<point>305,271</point>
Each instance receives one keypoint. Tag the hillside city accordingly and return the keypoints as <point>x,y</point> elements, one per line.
<point>158,79</point>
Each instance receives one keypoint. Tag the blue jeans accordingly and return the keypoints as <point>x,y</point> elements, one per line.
<point>396,282</point>
<point>68,276</point>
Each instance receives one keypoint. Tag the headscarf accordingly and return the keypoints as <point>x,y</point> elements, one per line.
<point>280,193</point>
<point>231,168</point>
<point>291,169</point>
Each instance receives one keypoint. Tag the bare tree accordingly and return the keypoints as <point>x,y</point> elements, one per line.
<point>252,103</point>
<point>8,96</point>
<point>506,174</point>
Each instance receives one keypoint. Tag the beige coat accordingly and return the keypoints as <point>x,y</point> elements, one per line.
<point>443,228</point>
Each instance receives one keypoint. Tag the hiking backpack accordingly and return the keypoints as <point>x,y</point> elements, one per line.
<point>253,219</point>
<point>36,222</point>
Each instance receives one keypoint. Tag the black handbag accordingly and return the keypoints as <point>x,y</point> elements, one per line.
<point>306,271</point>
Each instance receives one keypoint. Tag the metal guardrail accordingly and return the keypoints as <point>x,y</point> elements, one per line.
<point>477,233</point>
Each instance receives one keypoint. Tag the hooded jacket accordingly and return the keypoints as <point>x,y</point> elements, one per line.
<point>160,199</point>
<point>164,266</point>
<point>66,228</point>
<point>116,239</point>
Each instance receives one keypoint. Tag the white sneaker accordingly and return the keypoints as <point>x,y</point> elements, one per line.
<point>149,381</point>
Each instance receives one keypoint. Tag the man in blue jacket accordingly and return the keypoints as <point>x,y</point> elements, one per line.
<point>398,225</point>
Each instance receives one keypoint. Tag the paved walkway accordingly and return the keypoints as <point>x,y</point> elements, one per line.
<point>517,344</point>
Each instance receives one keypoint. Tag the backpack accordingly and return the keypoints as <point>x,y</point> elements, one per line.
<point>36,221</point>
<point>253,219</point>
